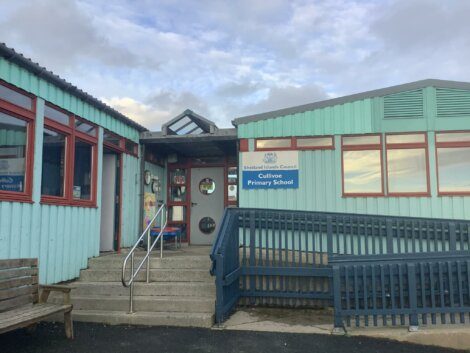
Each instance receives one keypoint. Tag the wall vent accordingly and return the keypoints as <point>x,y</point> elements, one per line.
<point>404,105</point>
<point>452,102</point>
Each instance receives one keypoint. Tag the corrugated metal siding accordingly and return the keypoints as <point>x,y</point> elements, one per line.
<point>130,200</point>
<point>31,83</point>
<point>452,102</point>
<point>349,118</point>
<point>161,173</point>
<point>61,237</point>
<point>408,104</point>
<point>320,189</point>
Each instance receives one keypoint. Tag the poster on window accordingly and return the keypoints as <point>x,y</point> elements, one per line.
<point>270,170</point>
<point>12,174</point>
<point>150,202</point>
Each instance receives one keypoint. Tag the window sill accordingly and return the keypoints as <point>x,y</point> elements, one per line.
<point>411,194</point>
<point>362,195</point>
<point>64,202</point>
<point>16,198</point>
<point>449,194</point>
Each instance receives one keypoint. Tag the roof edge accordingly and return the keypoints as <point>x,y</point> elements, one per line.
<point>351,98</point>
<point>40,71</point>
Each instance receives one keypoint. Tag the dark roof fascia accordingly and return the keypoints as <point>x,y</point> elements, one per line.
<point>351,98</point>
<point>17,58</point>
<point>219,135</point>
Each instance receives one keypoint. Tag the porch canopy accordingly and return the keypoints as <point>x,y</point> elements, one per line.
<point>192,136</point>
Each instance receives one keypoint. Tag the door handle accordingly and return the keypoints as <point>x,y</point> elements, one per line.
<point>193,204</point>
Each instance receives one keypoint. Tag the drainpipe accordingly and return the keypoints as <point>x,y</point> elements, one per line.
<point>141,176</point>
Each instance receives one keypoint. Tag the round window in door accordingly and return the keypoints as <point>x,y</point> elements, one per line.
<point>207,186</point>
<point>207,225</point>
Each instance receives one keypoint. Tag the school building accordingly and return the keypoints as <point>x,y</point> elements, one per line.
<point>78,178</point>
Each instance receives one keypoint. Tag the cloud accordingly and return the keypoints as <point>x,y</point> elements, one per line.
<point>61,36</point>
<point>225,59</point>
<point>158,108</point>
<point>138,111</point>
<point>284,97</point>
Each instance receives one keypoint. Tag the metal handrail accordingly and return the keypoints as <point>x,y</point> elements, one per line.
<point>130,283</point>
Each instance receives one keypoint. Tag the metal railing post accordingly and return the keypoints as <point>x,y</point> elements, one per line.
<point>146,260</point>
<point>131,289</point>
<point>148,256</point>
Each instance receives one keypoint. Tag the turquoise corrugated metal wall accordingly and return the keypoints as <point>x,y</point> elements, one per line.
<point>320,186</point>
<point>349,118</point>
<point>130,200</point>
<point>161,173</point>
<point>62,238</point>
<point>320,189</point>
<point>24,79</point>
<point>130,225</point>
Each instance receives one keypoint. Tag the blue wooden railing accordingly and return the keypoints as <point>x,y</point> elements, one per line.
<point>281,257</point>
<point>409,289</point>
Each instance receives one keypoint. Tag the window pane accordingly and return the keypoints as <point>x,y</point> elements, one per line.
<point>56,115</point>
<point>177,213</point>
<point>111,138</point>
<point>362,172</point>
<point>130,146</point>
<point>274,143</point>
<point>361,140</point>
<point>454,169</point>
<point>16,98</point>
<point>406,138</point>
<point>232,192</point>
<point>53,163</point>
<point>82,171</point>
<point>13,137</point>
<point>453,137</point>
<point>178,193</point>
<point>407,170</point>
<point>232,175</point>
<point>315,142</point>
<point>85,127</point>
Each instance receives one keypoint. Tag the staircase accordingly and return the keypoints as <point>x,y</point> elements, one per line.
<point>181,291</point>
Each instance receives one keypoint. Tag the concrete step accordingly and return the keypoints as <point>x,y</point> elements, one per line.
<point>142,303</point>
<point>181,289</point>
<point>144,318</point>
<point>156,275</point>
<point>187,262</point>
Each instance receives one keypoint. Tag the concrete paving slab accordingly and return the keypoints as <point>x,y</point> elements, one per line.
<point>281,320</point>
<point>313,321</point>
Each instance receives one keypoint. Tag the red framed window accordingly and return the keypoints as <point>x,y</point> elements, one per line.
<point>17,116</point>
<point>362,165</point>
<point>70,159</point>
<point>120,144</point>
<point>407,164</point>
<point>314,143</point>
<point>453,163</point>
<point>274,144</point>
<point>291,143</point>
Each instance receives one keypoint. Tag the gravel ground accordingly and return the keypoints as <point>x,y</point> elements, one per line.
<point>97,338</point>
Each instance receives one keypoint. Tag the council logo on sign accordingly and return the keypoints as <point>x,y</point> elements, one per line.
<point>270,158</point>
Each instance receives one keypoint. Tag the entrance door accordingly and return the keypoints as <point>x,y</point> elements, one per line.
<point>207,204</point>
<point>109,202</point>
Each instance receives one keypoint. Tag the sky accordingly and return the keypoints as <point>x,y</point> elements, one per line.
<point>152,59</point>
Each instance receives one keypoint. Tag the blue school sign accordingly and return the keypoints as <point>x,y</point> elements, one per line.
<point>270,170</point>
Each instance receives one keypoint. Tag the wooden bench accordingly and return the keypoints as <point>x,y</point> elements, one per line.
<point>21,302</point>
